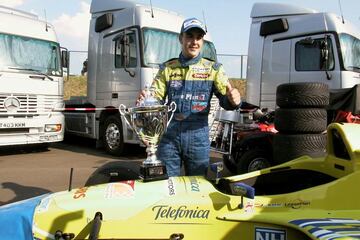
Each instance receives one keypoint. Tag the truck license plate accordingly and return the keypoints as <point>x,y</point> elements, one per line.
<point>12,125</point>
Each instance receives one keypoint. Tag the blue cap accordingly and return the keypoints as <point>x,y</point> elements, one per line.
<point>192,23</point>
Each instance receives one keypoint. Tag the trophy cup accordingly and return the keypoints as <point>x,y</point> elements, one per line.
<point>149,121</point>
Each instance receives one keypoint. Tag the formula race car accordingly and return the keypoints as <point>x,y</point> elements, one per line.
<point>306,198</point>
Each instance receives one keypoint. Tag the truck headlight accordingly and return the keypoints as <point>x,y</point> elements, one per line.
<point>52,127</point>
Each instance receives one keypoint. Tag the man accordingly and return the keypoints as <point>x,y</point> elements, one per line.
<point>190,81</point>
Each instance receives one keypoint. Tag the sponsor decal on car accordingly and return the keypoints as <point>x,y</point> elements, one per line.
<point>297,203</point>
<point>262,233</point>
<point>268,205</point>
<point>171,187</point>
<point>194,184</point>
<point>125,189</point>
<point>44,204</point>
<point>330,228</point>
<point>181,212</point>
<point>80,193</point>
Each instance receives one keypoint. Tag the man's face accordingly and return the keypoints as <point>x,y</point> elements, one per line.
<point>192,42</point>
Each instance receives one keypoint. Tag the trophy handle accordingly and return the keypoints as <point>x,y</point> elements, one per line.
<point>124,113</point>
<point>172,108</point>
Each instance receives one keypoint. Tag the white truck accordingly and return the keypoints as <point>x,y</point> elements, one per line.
<point>31,79</point>
<point>127,42</point>
<point>294,44</point>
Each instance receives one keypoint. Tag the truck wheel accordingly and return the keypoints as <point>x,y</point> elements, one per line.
<point>113,136</point>
<point>114,172</point>
<point>302,94</point>
<point>290,146</point>
<point>300,120</point>
<point>254,159</point>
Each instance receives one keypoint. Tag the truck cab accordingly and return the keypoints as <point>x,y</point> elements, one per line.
<point>31,77</point>
<point>294,44</point>
<point>127,43</point>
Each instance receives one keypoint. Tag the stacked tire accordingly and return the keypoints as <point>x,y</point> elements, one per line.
<point>301,121</point>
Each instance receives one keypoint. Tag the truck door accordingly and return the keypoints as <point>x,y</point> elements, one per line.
<point>315,59</point>
<point>275,68</point>
<point>120,68</point>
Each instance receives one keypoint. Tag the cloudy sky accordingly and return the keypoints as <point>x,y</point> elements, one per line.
<point>228,21</point>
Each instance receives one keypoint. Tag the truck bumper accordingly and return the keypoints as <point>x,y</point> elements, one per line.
<point>41,129</point>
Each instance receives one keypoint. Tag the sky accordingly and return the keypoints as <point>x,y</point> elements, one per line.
<point>228,21</point>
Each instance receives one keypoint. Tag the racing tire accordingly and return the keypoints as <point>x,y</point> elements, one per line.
<point>302,94</point>
<point>114,172</point>
<point>287,147</point>
<point>112,135</point>
<point>254,159</point>
<point>300,120</point>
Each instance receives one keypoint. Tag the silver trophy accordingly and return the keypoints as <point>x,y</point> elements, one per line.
<point>149,120</point>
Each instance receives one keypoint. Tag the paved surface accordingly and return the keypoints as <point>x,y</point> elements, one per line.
<point>27,172</point>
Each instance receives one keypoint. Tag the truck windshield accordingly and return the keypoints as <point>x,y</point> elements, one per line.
<point>23,53</point>
<point>160,46</point>
<point>350,49</point>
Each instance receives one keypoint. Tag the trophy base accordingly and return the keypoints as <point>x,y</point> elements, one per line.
<point>149,172</point>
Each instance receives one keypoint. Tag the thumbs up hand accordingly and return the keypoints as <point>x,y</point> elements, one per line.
<point>233,95</point>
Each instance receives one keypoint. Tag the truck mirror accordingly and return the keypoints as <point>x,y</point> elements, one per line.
<point>125,50</point>
<point>125,53</point>
<point>65,58</point>
<point>324,54</point>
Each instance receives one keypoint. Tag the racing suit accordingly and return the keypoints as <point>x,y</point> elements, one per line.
<point>190,84</point>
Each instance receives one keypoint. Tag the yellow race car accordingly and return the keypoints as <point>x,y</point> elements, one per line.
<point>306,198</point>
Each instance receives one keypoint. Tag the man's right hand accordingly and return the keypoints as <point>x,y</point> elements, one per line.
<point>140,97</point>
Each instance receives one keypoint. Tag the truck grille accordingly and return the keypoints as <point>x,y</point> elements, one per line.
<point>27,105</point>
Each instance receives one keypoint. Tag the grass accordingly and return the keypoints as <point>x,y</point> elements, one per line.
<point>76,86</point>
<point>239,84</point>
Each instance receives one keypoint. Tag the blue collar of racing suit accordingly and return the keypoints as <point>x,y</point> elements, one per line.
<point>185,62</point>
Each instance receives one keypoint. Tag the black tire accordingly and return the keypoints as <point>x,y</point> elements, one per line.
<point>290,146</point>
<point>301,94</point>
<point>254,159</point>
<point>112,135</point>
<point>229,163</point>
<point>114,172</point>
<point>300,120</point>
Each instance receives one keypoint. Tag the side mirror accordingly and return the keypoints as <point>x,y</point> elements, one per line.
<point>125,53</point>
<point>324,58</point>
<point>243,190</point>
<point>65,57</point>
<point>125,50</point>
